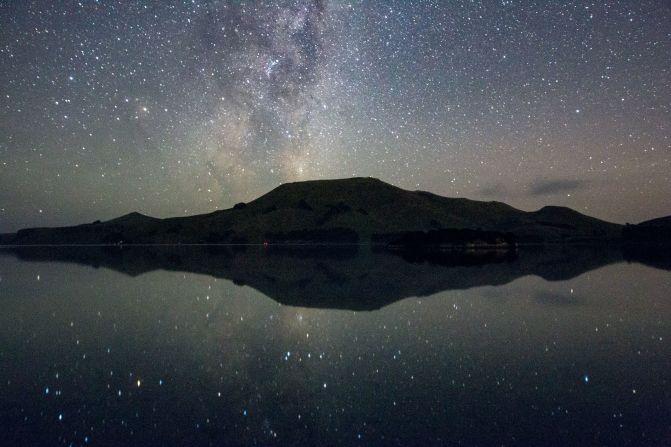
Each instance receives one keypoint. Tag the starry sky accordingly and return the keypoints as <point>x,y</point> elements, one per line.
<point>175,108</point>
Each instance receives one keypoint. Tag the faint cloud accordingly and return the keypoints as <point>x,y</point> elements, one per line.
<point>495,190</point>
<point>543,187</point>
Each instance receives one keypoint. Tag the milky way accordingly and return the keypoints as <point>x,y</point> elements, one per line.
<point>173,108</point>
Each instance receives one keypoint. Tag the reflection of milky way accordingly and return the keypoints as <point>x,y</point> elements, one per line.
<point>188,107</point>
<point>171,358</point>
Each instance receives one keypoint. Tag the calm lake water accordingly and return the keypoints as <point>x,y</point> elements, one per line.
<point>245,346</point>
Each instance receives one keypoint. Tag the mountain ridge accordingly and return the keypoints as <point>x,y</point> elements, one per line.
<point>351,210</point>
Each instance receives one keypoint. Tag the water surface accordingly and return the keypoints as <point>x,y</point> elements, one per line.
<point>223,346</point>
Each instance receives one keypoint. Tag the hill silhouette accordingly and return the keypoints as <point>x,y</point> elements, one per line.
<point>354,210</point>
<point>649,242</point>
<point>655,232</point>
<point>660,222</point>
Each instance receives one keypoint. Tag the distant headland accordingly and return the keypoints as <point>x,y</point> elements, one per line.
<point>353,211</point>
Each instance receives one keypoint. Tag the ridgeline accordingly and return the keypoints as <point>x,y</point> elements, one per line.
<point>347,211</point>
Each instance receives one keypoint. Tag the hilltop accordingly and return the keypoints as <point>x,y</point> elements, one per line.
<point>354,210</point>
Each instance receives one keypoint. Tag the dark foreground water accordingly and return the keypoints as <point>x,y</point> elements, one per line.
<point>232,346</point>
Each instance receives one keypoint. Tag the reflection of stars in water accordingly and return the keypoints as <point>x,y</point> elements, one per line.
<point>234,372</point>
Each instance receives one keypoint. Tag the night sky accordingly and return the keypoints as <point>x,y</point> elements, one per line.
<point>177,108</point>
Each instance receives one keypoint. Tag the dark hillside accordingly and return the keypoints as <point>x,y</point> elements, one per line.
<point>334,211</point>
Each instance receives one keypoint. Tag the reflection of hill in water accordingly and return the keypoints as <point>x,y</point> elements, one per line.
<point>352,277</point>
<point>652,255</point>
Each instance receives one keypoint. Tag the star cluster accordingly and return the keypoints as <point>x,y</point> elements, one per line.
<point>173,108</point>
